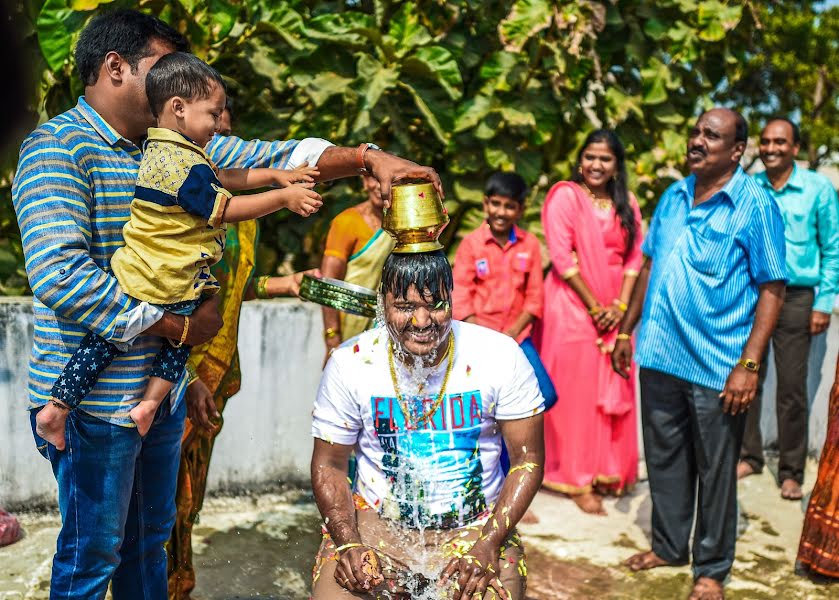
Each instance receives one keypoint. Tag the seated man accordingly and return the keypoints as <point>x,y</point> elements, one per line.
<point>425,402</point>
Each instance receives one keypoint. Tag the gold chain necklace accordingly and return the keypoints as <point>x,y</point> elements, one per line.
<point>404,405</point>
<point>601,203</point>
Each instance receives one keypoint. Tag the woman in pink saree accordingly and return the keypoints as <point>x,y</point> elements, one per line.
<point>593,230</point>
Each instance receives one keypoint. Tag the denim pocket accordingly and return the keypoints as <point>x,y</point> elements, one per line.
<point>40,443</point>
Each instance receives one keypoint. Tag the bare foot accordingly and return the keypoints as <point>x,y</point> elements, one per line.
<point>143,416</point>
<point>744,469</point>
<point>791,490</point>
<point>706,588</point>
<point>50,423</point>
<point>645,560</point>
<point>529,517</point>
<point>589,503</point>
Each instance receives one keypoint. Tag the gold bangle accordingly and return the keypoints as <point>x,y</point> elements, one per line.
<point>191,373</point>
<point>184,333</point>
<point>348,546</point>
<point>623,336</point>
<point>330,332</point>
<point>261,283</point>
<point>620,304</point>
<point>595,310</point>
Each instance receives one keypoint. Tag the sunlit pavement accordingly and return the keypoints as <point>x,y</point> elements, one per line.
<point>262,546</point>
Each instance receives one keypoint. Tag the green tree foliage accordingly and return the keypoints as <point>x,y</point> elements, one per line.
<point>466,86</point>
<point>793,70</point>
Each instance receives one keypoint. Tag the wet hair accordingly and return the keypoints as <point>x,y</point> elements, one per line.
<point>509,185</point>
<point>430,272</point>
<point>180,74</point>
<point>617,185</point>
<point>129,33</point>
<point>796,132</point>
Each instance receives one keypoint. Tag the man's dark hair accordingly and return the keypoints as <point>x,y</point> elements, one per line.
<point>430,272</point>
<point>180,74</point>
<point>741,128</point>
<point>796,132</point>
<point>509,185</point>
<point>128,33</point>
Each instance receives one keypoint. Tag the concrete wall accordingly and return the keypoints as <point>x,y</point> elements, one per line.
<point>266,431</point>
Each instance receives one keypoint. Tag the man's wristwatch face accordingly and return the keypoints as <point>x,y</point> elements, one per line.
<point>749,364</point>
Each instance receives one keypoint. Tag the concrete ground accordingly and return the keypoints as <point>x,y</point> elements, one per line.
<point>262,547</point>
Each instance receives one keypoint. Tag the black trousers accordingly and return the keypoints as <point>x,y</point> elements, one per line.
<point>691,450</point>
<point>791,345</point>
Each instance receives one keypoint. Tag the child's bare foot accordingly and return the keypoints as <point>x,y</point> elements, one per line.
<point>644,561</point>
<point>143,416</point>
<point>590,503</point>
<point>50,423</point>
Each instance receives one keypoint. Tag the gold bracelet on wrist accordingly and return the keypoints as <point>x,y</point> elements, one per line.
<point>622,306</point>
<point>623,336</point>
<point>184,333</point>
<point>191,374</point>
<point>595,310</point>
<point>340,549</point>
<point>261,283</point>
<point>330,332</point>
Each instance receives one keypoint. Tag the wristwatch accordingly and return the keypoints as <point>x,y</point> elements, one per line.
<point>749,364</point>
<point>359,154</point>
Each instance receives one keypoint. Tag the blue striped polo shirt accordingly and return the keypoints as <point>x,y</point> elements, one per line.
<point>72,192</point>
<point>707,263</point>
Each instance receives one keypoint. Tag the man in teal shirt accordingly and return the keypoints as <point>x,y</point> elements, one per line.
<point>810,208</point>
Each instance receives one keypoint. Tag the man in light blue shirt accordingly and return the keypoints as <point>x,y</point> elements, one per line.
<point>810,209</point>
<point>713,277</point>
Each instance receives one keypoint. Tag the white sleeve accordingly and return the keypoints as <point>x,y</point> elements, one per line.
<point>518,395</point>
<point>308,150</point>
<point>137,320</point>
<point>337,414</point>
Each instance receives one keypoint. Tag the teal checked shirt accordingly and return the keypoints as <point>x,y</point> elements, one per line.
<point>810,209</point>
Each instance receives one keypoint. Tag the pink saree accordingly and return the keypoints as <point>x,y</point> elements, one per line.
<point>591,432</point>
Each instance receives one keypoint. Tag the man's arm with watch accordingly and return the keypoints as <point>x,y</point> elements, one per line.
<point>741,387</point>
<point>337,162</point>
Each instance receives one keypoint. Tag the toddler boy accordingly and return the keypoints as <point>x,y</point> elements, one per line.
<point>177,226</point>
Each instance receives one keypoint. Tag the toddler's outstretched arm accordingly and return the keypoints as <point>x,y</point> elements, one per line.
<point>237,180</point>
<point>299,198</point>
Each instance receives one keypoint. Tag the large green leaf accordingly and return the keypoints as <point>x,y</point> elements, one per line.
<point>438,114</point>
<point>716,19</point>
<point>56,25</point>
<point>406,31</point>
<point>374,79</point>
<point>472,111</point>
<point>526,19</point>
<point>223,15</point>
<point>350,28</point>
<point>438,64</point>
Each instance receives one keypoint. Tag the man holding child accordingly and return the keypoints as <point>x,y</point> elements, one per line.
<point>75,180</point>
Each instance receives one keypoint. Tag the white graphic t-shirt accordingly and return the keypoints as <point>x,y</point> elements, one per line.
<point>444,471</point>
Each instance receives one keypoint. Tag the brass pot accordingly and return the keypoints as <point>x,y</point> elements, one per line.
<point>416,218</point>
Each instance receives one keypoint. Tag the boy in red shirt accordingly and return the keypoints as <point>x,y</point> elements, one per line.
<point>498,273</point>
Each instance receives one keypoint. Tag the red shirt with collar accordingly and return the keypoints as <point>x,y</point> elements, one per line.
<point>496,284</point>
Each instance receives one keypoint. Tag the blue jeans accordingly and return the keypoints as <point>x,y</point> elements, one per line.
<point>546,386</point>
<point>116,494</point>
